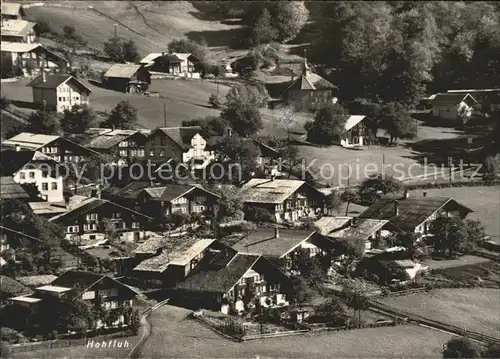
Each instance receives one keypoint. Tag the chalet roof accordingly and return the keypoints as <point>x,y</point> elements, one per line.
<point>16,28</point>
<point>264,242</point>
<point>109,139</point>
<point>36,280</point>
<point>412,211</point>
<point>12,161</point>
<point>262,190</point>
<point>328,224</point>
<point>152,244</point>
<point>181,135</point>
<point>52,81</point>
<point>310,81</point>
<point>84,280</point>
<point>125,71</point>
<point>220,280</point>
<point>44,208</point>
<point>13,231</point>
<point>180,254</point>
<point>9,189</point>
<point>361,228</point>
<point>30,140</point>
<point>150,57</point>
<point>10,287</point>
<point>26,299</point>
<point>10,8</point>
<point>451,98</point>
<point>159,193</point>
<point>19,47</point>
<point>353,120</point>
<point>87,206</point>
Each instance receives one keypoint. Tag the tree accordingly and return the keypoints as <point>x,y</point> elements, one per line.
<point>250,94</point>
<point>217,101</point>
<point>259,215</point>
<point>286,119</point>
<point>43,121</point>
<point>302,293</point>
<point>289,158</point>
<point>229,204</point>
<point>130,52</point>
<point>451,235</point>
<point>69,32</point>
<point>395,119</point>
<point>328,126</point>
<point>349,196</point>
<point>355,295</point>
<point>263,31</point>
<point>352,250</point>
<point>461,347</point>
<point>368,108</point>
<point>135,321</point>
<point>333,201</point>
<point>77,120</point>
<point>244,119</point>
<point>4,102</point>
<point>290,18</point>
<point>334,309</point>
<point>114,49</point>
<point>380,184</point>
<point>214,126</point>
<point>123,116</point>
<point>187,46</point>
<point>492,351</point>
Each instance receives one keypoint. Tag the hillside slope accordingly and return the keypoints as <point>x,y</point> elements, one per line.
<point>150,24</point>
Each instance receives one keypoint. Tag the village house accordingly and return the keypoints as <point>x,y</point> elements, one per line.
<point>13,240</point>
<point>33,167</point>
<point>87,221</point>
<point>369,233</point>
<point>281,246</point>
<point>128,78</point>
<point>18,31</point>
<point>12,11</point>
<point>489,99</point>
<point>390,268</point>
<point>415,214</point>
<point>309,92</point>
<point>159,201</point>
<point>20,59</point>
<point>286,200</point>
<point>179,64</point>
<point>187,143</point>
<point>57,147</point>
<point>10,189</point>
<point>174,260</point>
<point>123,145</point>
<point>115,296</point>
<point>59,92</point>
<point>229,277</point>
<point>453,106</point>
<point>355,131</point>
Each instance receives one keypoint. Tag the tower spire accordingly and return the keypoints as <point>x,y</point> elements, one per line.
<point>305,68</point>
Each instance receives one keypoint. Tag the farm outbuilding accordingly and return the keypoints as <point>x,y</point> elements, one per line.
<point>129,78</point>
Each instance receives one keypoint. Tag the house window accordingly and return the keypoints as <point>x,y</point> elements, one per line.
<point>242,281</point>
<point>135,224</point>
<point>45,174</point>
<point>123,153</point>
<point>72,229</point>
<point>54,185</point>
<point>180,200</point>
<point>200,199</point>
<point>60,98</point>
<point>77,98</point>
<point>116,215</point>
<point>198,209</point>
<point>45,186</point>
<point>123,144</point>
<point>22,175</point>
<point>32,174</point>
<point>92,217</point>
<point>162,141</point>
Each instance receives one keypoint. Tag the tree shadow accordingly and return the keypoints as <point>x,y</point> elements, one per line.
<point>25,104</point>
<point>235,39</point>
<point>98,84</point>
<point>434,151</point>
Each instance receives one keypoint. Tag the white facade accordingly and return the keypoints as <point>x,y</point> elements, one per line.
<point>64,97</point>
<point>51,188</point>
<point>198,150</point>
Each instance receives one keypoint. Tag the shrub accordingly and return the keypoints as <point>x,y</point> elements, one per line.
<point>4,349</point>
<point>9,335</point>
<point>217,101</point>
<point>233,326</point>
<point>259,215</point>
<point>4,102</point>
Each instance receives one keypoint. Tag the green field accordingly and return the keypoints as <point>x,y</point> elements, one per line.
<point>484,201</point>
<point>473,309</point>
<point>175,336</point>
<point>185,99</point>
<point>152,25</point>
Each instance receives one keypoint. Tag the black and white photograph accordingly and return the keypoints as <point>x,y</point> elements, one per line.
<point>249,179</point>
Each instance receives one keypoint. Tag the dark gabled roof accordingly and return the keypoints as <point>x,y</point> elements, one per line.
<point>88,206</point>
<point>221,280</point>
<point>156,192</point>
<point>412,211</point>
<point>9,189</point>
<point>311,81</point>
<point>132,190</point>
<point>109,139</point>
<point>52,81</point>
<point>181,135</point>
<point>264,242</point>
<point>10,230</point>
<point>12,161</point>
<point>84,280</point>
<point>451,98</point>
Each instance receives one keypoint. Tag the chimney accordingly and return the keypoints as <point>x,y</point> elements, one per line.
<point>98,191</point>
<point>396,208</point>
<point>66,202</point>
<point>424,194</point>
<point>276,232</point>
<point>162,53</point>
<point>406,194</point>
<point>18,148</point>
